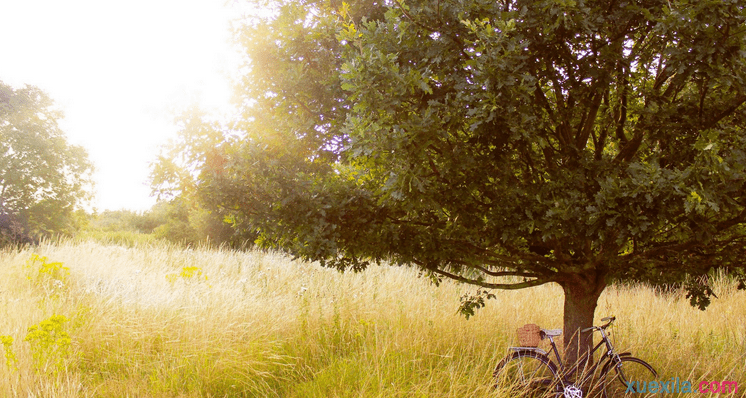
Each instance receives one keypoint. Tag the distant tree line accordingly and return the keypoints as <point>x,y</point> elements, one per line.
<point>45,183</point>
<point>176,221</point>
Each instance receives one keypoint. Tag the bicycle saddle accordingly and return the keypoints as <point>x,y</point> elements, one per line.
<point>552,332</point>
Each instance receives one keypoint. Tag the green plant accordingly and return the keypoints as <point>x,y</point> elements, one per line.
<point>50,344</point>
<point>188,274</point>
<point>51,277</point>
<point>10,356</point>
<point>124,238</point>
<point>46,274</point>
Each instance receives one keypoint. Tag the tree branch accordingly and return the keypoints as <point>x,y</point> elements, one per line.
<point>477,282</point>
<point>433,30</point>
<point>723,225</point>
<point>622,119</point>
<point>491,256</point>
<point>523,274</point>
<point>738,101</point>
<point>581,138</point>
<point>628,151</point>
<point>541,99</point>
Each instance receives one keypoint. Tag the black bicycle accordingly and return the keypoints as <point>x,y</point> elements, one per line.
<point>530,371</point>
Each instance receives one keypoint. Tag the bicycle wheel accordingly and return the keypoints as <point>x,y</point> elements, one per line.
<point>626,379</point>
<point>527,373</point>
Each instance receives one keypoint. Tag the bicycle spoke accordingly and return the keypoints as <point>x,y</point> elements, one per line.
<point>628,380</point>
<point>526,374</point>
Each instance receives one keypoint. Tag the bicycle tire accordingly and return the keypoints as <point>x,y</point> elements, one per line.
<point>633,370</point>
<point>527,373</point>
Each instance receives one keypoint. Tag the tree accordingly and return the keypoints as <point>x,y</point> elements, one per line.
<point>175,178</point>
<point>504,144</point>
<point>43,179</point>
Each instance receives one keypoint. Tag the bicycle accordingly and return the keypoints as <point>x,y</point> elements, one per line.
<point>530,370</point>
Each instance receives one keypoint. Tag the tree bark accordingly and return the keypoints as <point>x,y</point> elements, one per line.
<point>581,299</point>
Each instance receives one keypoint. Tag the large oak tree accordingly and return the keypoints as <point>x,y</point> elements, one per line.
<point>505,144</point>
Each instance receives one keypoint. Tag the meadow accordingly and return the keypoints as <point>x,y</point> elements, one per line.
<point>86,319</point>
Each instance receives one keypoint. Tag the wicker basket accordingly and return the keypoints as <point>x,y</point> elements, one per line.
<point>529,335</point>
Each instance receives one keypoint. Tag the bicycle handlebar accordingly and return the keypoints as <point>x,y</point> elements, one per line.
<point>609,320</point>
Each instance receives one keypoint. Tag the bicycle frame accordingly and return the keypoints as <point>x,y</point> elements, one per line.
<point>611,356</point>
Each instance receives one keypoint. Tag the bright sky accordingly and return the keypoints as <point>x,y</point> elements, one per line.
<point>119,70</point>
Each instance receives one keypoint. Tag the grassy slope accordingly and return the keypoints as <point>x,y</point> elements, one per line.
<point>254,324</point>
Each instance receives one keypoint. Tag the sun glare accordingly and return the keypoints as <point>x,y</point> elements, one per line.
<point>120,71</point>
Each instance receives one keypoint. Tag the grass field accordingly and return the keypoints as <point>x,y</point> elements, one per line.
<point>161,321</point>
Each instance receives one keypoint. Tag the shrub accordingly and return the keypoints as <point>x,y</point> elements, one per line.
<point>50,344</point>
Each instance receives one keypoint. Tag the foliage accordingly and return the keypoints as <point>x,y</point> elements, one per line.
<point>176,227</point>
<point>45,270</point>
<point>120,238</point>
<point>125,220</point>
<point>13,230</point>
<point>43,179</point>
<point>471,303</point>
<point>172,220</point>
<point>50,276</point>
<point>11,361</point>
<point>504,144</point>
<point>176,177</point>
<point>187,274</point>
<point>50,344</point>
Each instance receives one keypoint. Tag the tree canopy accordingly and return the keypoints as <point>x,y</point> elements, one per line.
<point>43,179</point>
<point>504,144</point>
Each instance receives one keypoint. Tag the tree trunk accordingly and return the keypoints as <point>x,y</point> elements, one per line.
<point>581,299</point>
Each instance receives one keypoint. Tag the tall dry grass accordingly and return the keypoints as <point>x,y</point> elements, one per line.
<point>163,321</point>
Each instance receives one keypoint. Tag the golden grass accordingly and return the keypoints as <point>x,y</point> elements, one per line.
<point>162,321</point>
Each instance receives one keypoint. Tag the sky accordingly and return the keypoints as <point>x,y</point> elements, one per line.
<point>120,71</point>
